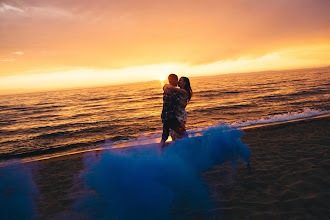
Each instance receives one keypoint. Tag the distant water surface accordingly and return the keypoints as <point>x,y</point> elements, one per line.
<point>71,120</point>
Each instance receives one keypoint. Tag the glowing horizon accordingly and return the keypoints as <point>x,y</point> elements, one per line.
<point>85,44</point>
<point>77,78</point>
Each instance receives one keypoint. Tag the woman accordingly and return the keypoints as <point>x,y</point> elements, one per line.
<point>185,92</point>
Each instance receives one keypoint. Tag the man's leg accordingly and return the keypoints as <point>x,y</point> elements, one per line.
<point>166,132</point>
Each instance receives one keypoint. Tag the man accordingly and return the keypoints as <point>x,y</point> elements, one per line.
<point>171,100</point>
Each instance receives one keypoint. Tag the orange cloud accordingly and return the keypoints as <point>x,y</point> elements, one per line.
<point>112,34</point>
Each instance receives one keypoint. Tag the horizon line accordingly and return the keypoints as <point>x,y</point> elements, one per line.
<point>32,91</point>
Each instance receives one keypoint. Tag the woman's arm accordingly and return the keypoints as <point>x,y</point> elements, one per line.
<point>183,92</point>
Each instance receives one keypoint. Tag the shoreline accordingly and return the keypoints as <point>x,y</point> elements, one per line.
<point>156,140</point>
<point>74,154</point>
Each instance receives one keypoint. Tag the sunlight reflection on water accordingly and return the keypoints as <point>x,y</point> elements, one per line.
<point>82,118</point>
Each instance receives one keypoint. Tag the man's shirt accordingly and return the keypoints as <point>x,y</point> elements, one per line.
<point>170,104</point>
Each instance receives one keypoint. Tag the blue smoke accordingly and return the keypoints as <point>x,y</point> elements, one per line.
<point>143,183</point>
<point>17,192</point>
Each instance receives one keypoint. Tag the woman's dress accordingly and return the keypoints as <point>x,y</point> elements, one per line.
<point>181,115</point>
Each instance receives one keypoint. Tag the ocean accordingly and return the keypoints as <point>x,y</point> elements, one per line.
<point>48,123</point>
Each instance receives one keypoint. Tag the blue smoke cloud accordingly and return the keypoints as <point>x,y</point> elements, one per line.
<point>17,192</point>
<point>143,183</point>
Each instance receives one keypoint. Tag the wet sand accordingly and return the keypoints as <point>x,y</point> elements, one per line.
<point>289,177</point>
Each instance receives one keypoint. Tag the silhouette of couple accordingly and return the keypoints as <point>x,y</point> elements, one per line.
<point>174,115</point>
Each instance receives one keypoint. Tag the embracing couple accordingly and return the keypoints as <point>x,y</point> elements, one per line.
<point>174,115</point>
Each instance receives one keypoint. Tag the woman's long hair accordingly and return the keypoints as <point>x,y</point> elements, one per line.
<point>187,87</point>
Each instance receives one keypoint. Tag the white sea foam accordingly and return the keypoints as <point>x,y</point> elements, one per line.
<point>280,118</point>
<point>150,138</point>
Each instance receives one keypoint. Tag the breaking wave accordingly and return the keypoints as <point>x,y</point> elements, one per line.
<point>281,118</point>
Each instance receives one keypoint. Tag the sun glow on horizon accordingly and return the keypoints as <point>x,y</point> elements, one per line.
<point>307,57</point>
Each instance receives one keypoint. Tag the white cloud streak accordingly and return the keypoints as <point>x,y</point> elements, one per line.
<point>49,12</point>
<point>8,60</point>
<point>34,11</point>
<point>18,53</point>
<point>8,8</point>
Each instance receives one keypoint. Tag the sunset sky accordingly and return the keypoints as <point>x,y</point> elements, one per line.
<point>73,43</point>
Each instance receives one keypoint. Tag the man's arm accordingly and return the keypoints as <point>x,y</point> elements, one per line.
<point>183,92</point>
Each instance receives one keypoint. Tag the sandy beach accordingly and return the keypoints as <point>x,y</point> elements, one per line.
<point>289,177</point>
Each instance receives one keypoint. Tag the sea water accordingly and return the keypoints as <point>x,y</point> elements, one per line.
<point>143,182</point>
<point>45,123</point>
